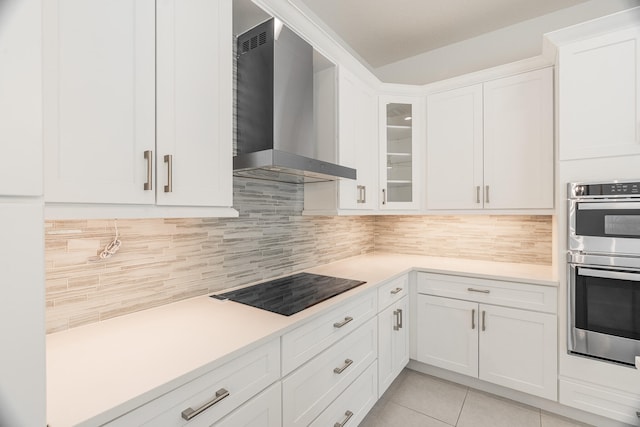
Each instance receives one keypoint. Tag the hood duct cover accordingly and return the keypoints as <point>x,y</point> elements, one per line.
<point>275,136</point>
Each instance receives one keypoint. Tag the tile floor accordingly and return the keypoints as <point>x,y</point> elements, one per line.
<point>418,400</point>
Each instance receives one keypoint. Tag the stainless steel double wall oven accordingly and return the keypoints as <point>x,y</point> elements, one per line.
<point>604,271</point>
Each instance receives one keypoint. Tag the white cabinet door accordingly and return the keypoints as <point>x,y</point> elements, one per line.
<point>393,343</point>
<point>518,141</point>
<point>401,127</point>
<point>22,323</point>
<point>21,98</point>
<point>599,96</point>
<point>454,149</point>
<point>447,334</point>
<point>99,99</point>
<point>518,349</point>
<point>357,142</point>
<point>194,98</point>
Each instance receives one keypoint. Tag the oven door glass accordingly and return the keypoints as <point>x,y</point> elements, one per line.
<point>617,219</point>
<point>606,312</point>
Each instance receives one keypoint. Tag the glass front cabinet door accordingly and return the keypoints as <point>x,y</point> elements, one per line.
<point>402,125</point>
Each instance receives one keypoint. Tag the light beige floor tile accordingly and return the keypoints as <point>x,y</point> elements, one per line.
<point>394,415</point>
<point>435,398</point>
<point>484,410</point>
<point>553,420</point>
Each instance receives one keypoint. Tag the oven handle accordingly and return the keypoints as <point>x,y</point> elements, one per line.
<point>619,205</point>
<point>606,274</point>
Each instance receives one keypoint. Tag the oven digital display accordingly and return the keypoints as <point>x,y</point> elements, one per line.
<point>622,225</point>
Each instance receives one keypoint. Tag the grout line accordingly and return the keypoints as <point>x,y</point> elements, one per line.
<point>462,407</point>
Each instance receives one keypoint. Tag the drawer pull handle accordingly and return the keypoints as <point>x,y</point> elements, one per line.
<point>344,322</point>
<point>191,413</point>
<point>473,319</point>
<point>396,290</point>
<point>484,291</point>
<point>347,363</point>
<point>347,417</point>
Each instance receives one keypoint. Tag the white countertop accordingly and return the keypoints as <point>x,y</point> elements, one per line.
<point>102,370</point>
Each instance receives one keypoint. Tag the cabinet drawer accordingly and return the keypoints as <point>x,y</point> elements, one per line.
<point>310,389</point>
<point>392,291</point>
<point>263,410</point>
<point>603,401</point>
<point>242,377</point>
<point>510,294</point>
<point>305,342</point>
<point>354,403</point>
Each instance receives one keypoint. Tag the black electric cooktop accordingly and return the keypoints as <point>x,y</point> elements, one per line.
<point>291,294</point>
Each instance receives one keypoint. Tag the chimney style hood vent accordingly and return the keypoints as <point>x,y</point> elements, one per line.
<point>275,130</point>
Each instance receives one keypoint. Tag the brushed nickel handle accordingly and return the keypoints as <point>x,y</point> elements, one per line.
<point>484,320</point>
<point>396,290</point>
<point>168,159</point>
<point>486,194</point>
<point>483,291</point>
<point>347,363</point>
<point>477,194</point>
<point>191,413</point>
<point>400,315</point>
<point>396,326</point>
<point>347,417</point>
<point>360,194</point>
<point>473,318</point>
<point>384,196</point>
<point>148,156</point>
<point>364,194</point>
<point>344,322</point>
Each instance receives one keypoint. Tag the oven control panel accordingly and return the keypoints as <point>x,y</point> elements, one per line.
<point>605,189</point>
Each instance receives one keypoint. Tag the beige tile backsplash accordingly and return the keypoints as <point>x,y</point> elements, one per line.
<point>165,260</point>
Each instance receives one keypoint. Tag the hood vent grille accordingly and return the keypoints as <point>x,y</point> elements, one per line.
<point>254,42</point>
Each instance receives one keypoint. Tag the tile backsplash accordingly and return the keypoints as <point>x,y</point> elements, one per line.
<point>165,260</point>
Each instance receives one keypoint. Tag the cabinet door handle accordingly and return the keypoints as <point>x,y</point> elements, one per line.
<point>384,196</point>
<point>359,199</point>
<point>400,315</point>
<point>364,194</point>
<point>168,159</point>
<point>484,291</point>
<point>344,322</point>
<point>347,363</point>
<point>396,326</point>
<point>477,194</point>
<point>148,156</point>
<point>347,417</point>
<point>484,323</point>
<point>191,413</point>
<point>486,194</point>
<point>396,290</point>
<point>473,318</point>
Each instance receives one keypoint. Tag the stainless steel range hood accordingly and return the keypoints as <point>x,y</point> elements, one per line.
<point>275,129</point>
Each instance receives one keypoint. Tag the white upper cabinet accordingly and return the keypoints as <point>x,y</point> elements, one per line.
<point>137,103</point>
<point>194,99</point>
<point>518,141</point>
<point>454,149</point>
<point>599,96</point>
<point>21,98</point>
<point>401,124</point>
<point>357,143</point>
<point>99,100</point>
<point>490,145</point>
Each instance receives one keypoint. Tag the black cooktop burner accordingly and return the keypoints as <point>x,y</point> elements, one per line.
<point>291,294</point>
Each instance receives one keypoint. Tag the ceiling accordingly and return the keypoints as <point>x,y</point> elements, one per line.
<point>385,31</point>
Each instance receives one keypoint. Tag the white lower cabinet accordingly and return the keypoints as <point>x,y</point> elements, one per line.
<point>510,347</point>
<point>264,410</point>
<point>350,408</point>
<point>215,394</point>
<point>393,342</point>
<point>310,389</point>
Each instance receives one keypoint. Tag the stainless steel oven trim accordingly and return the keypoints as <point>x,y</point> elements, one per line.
<point>589,343</point>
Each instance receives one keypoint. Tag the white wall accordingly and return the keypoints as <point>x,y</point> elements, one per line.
<point>513,43</point>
